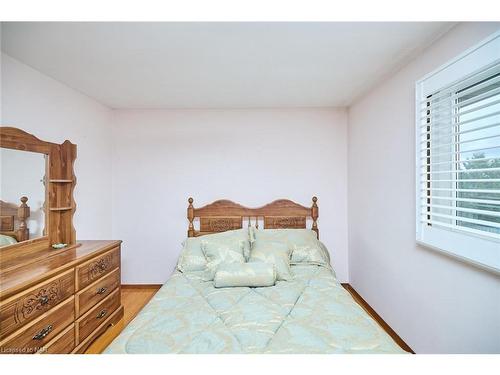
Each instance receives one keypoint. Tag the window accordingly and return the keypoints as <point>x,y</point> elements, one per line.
<point>458,156</point>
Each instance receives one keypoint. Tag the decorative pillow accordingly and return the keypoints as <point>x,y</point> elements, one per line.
<point>6,240</point>
<point>276,253</point>
<point>245,275</point>
<point>192,257</point>
<point>217,252</point>
<point>251,235</point>
<point>325,252</point>
<point>305,246</point>
<point>310,255</point>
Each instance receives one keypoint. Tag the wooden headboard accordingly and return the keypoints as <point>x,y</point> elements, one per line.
<point>223,215</point>
<point>9,214</point>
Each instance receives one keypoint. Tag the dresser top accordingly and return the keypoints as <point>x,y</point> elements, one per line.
<point>45,263</point>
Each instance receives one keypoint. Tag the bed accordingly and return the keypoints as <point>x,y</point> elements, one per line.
<point>308,313</point>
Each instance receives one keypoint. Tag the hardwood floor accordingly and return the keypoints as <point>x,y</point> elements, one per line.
<point>134,298</point>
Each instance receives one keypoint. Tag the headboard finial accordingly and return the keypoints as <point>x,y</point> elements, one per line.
<point>190,215</point>
<point>23,212</point>
<point>314,215</point>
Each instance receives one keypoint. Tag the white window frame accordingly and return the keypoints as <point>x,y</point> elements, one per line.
<point>481,251</point>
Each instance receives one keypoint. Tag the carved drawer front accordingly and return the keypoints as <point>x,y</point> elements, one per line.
<point>63,343</point>
<point>24,307</point>
<point>110,321</point>
<point>93,318</point>
<point>96,292</point>
<point>96,268</point>
<point>36,334</point>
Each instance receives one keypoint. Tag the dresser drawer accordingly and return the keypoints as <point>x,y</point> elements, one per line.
<point>94,269</point>
<point>97,315</point>
<point>28,305</point>
<point>96,292</point>
<point>63,343</point>
<point>105,337</point>
<point>35,335</point>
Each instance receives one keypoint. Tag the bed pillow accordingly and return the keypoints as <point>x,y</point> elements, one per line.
<point>192,257</point>
<point>221,251</point>
<point>305,246</point>
<point>297,236</point>
<point>276,253</point>
<point>316,254</point>
<point>245,275</point>
<point>251,235</point>
<point>6,240</point>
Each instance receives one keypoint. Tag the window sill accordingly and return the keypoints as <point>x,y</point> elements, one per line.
<point>488,264</point>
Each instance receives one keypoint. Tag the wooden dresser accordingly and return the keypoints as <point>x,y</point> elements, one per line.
<point>51,301</point>
<point>59,301</point>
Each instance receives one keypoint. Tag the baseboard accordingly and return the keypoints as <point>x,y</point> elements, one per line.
<point>141,286</point>
<point>377,318</point>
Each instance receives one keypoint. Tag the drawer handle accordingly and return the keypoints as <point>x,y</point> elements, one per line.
<point>102,264</point>
<point>102,314</point>
<point>43,333</point>
<point>101,290</point>
<point>44,300</point>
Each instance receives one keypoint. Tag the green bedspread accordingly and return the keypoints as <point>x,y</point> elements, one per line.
<point>312,313</point>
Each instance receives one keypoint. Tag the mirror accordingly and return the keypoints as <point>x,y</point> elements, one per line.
<point>22,195</point>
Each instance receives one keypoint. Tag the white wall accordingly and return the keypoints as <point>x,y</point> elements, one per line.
<point>436,303</point>
<point>54,112</point>
<point>161,157</point>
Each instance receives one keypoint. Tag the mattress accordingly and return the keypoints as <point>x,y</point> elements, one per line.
<point>312,313</point>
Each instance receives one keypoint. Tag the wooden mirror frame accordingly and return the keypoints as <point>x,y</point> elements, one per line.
<point>60,183</point>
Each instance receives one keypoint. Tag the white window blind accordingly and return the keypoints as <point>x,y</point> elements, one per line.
<point>458,156</point>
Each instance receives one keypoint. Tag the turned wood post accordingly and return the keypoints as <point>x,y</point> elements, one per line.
<point>23,212</point>
<point>314,215</point>
<point>190,216</point>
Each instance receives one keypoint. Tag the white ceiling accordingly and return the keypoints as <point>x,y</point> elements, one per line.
<point>218,65</point>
